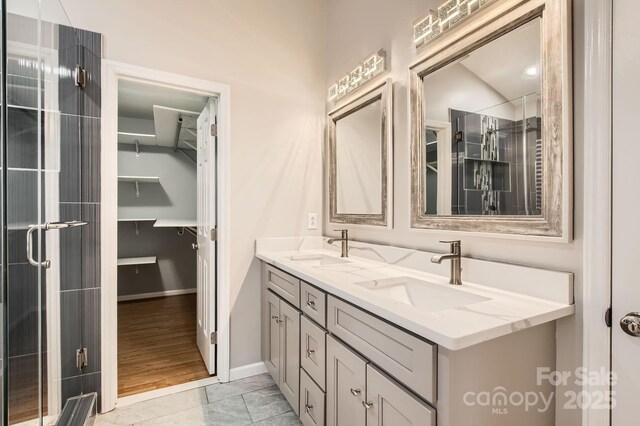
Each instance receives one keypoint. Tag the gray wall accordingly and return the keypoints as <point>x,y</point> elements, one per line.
<point>358,27</point>
<point>173,198</point>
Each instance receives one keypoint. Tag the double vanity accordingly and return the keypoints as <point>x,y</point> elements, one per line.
<point>381,337</point>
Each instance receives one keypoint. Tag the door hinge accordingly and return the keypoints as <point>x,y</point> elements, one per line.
<point>459,136</point>
<point>214,234</point>
<point>82,360</point>
<point>80,75</point>
<point>214,338</point>
<point>607,317</point>
<point>214,130</point>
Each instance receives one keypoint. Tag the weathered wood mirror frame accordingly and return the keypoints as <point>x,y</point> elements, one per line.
<point>497,19</point>
<point>382,91</point>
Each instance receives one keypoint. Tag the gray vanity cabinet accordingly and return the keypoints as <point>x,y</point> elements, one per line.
<point>281,347</point>
<point>346,385</point>
<point>388,404</point>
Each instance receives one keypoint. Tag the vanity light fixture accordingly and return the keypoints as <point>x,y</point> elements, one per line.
<point>371,67</point>
<point>448,14</point>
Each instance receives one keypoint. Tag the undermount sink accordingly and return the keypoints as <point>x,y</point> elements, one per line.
<point>424,295</point>
<point>317,259</point>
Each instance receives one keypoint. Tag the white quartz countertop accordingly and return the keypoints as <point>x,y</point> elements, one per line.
<point>494,314</point>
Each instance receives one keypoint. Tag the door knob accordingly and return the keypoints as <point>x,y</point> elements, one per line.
<point>194,246</point>
<point>630,324</point>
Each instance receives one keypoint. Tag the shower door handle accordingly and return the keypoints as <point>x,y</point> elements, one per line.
<point>48,226</point>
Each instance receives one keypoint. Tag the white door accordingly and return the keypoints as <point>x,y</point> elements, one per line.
<point>626,211</point>
<point>206,248</point>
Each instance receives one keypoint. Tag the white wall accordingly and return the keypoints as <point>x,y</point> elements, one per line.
<point>271,53</point>
<point>359,27</point>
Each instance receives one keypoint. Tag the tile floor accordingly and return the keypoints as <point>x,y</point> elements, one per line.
<point>254,400</point>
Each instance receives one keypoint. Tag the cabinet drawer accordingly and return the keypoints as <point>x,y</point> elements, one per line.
<point>313,350</point>
<point>313,303</point>
<point>311,401</point>
<point>404,356</point>
<point>390,404</point>
<point>283,284</point>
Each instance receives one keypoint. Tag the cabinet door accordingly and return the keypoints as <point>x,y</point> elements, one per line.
<point>346,376</point>
<point>389,404</point>
<point>272,340</point>
<point>290,354</point>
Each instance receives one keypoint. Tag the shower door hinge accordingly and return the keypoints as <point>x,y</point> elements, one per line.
<point>82,358</point>
<point>80,76</point>
<point>214,130</point>
<point>214,338</point>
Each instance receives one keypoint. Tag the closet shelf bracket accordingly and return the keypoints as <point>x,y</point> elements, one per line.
<point>137,149</point>
<point>135,224</point>
<point>137,188</point>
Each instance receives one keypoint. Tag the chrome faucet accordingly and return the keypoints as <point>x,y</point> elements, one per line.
<point>345,242</point>
<point>454,256</point>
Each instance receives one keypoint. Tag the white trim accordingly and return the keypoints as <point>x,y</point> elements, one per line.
<point>166,293</point>
<point>111,73</point>
<point>171,390</point>
<point>248,370</point>
<point>597,198</point>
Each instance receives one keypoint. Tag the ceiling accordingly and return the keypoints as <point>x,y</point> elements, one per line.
<point>136,100</point>
<point>502,63</point>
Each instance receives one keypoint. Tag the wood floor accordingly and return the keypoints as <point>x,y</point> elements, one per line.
<point>157,344</point>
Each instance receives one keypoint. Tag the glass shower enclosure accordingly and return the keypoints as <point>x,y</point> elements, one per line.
<point>50,337</point>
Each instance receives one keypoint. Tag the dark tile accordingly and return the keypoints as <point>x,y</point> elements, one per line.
<point>92,383</point>
<point>23,148</point>
<point>91,329</point>
<point>91,56</point>
<point>90,159</point>
<point>22,198</point>
<point>17,245</point>
<point>70,331</point>
<point>70,387</point>
<point>24,311</point>
<point>70,159</point>
<point>71,249</point>
<point>91,246</point>
<point>69,95</point>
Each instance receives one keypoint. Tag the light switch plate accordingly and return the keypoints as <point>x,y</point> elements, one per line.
<point>312,222</point>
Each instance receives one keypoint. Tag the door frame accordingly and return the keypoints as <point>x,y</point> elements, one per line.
<point>596,293</point>
<point>112,72</point>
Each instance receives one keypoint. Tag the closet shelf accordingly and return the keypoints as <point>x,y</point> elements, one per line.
<point>139,179</point>
<point>175,128</point>
<point>141,138</point>
<point>133,261</point>
<point>175,223</point>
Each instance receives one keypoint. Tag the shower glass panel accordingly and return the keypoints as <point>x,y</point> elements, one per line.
<point>39,94</point>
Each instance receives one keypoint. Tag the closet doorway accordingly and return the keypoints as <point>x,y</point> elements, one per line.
<point>167,251</point>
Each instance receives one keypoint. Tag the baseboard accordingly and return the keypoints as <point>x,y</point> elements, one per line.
<point>247,371</point>
<point>156,294</point>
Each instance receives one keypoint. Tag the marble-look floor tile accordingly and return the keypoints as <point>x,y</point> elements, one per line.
<point>265,403</point>
<point>287,419</point>
<point>157,407</point>
<point>220,391</point>
<point>228,412</point>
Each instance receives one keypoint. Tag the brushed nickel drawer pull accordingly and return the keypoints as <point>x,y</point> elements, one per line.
<point>355,392</point>
<point>367,405</point>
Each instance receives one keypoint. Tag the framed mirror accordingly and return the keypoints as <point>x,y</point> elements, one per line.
<point>360,159</point>
<point>491,146</point>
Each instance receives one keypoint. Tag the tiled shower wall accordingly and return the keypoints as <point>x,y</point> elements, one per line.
<point>80,199</point>
<point>59,144</point>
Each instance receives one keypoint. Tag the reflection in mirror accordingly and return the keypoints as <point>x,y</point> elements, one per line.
<point>361,158</point>
<point>358,161</point>
<point>483,130</point>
